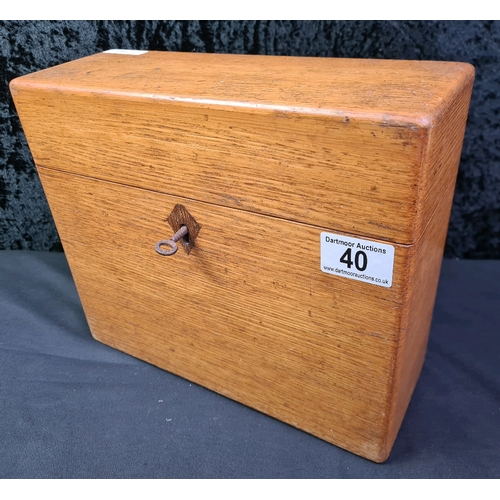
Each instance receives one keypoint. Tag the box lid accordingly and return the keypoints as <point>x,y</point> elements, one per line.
<point>342,144</point>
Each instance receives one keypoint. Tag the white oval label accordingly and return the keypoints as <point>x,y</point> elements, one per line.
<point>126,52</point>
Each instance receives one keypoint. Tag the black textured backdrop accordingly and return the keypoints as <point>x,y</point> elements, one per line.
<point>27,46</point>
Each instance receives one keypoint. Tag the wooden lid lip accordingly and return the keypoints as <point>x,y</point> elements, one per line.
<point>390,164</point>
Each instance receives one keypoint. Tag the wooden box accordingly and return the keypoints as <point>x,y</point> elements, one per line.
<point>316,193</point>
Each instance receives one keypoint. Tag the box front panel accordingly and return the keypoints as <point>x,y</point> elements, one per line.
<point>248,313</point>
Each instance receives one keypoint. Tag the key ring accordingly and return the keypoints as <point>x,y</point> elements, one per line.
<point>171,242</point>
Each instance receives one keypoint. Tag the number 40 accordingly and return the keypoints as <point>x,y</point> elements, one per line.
<point>360,259</point>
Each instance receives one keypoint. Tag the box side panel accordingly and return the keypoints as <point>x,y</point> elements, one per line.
<point>336,172</point>
<point>425,257</point>
<point>248,313</point>
<point>441,160</point>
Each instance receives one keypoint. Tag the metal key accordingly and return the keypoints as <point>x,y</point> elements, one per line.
<point>171,242</point>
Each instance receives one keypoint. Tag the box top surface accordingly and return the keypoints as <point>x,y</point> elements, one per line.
<point>391,90</point>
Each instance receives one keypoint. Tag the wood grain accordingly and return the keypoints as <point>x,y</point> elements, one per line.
<point>265,153</point>
<point>248,313</point>
<point>379,90</point>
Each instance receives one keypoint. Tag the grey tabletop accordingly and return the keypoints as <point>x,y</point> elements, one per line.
<point>71,407</point>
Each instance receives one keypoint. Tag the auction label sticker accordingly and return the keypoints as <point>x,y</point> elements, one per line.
<point>362,260</point>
